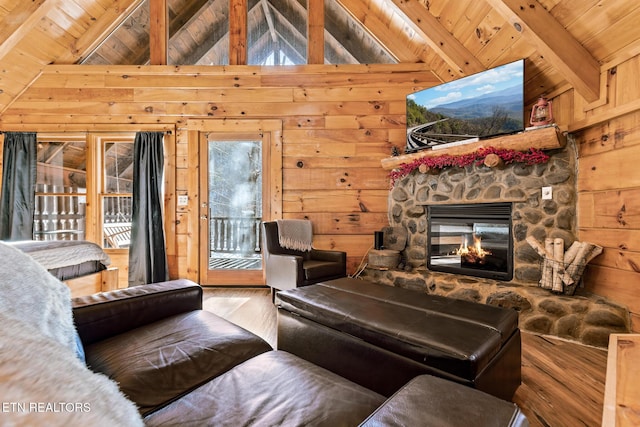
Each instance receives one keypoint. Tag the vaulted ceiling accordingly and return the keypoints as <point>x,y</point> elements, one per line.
<point>199,35</point>
<point>567,43</point>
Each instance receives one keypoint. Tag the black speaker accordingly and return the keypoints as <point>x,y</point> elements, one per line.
<point>378,240</point>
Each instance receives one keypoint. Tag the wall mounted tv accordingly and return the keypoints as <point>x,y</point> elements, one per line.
<point>482,105</point>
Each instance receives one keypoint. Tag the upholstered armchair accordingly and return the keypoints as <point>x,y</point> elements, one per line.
<point>288,268</point>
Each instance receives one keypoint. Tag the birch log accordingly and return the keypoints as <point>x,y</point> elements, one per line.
<point>585,254</point>
<point>561,267</point>
<point>594,252</point>
<point>538,247</point>
<point>547,265</point>
<point>558,264</point>
<point>548,256</point>
<point>571,253</point>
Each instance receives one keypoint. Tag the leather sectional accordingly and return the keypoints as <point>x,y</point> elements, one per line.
<point>185,366</point>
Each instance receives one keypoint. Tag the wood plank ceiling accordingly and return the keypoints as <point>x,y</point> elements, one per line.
<point>567,42</point>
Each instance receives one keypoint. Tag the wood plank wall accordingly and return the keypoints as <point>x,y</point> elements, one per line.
<point>609,187</point>
<point>338,123</point>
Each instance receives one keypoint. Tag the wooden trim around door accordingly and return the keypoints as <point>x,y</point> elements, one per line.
<point>270,132</point>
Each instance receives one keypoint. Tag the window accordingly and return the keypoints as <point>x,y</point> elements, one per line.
<point>276,35</point>
<point>76,173</point>
<point>116,189</point>
<point>61,187</point>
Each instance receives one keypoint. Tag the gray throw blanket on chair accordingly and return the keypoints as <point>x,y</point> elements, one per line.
<point>295,234</point>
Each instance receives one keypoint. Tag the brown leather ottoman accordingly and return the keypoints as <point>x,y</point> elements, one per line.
<point>381,336</point>
<point>428,400</point>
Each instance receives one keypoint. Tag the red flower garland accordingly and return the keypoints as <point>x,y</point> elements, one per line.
<point>531,157</point>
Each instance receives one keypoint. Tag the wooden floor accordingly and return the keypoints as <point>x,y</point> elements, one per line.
<point>562,382</point>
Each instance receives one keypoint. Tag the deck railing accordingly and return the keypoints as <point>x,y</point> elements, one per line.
<point>239,235</point>
<point>61,217</point>
<point>58,213</point>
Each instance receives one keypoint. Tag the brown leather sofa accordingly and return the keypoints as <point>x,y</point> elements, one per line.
<point>185,366</point>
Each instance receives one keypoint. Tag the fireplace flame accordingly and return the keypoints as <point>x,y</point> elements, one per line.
<point>473,252</point>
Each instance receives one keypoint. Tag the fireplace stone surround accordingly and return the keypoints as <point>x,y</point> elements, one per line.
<point>581,317</point>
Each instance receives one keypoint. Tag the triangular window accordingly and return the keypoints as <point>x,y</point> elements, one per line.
<point>276,33</point>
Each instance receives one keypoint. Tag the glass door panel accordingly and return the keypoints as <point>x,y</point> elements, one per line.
<point>233,211</point>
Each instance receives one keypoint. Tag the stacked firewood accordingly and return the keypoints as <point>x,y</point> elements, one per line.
<point>562,270</point>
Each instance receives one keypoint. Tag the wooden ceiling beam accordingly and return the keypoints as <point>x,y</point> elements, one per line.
<point>439,39</point>
<point>395,44</point>
<point>158,32</point>
<point>237,32</point>
<point>315,32</point>
<point>21,20</point>
<point>95,35</point>
<point>176,24</point>
<point>187,13</point>
<point>555,43</point>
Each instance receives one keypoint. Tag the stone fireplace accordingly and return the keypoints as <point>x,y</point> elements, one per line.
<point>582,317</point>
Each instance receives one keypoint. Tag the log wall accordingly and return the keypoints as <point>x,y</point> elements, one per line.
<point>338,123</point>
<point>608,142</point>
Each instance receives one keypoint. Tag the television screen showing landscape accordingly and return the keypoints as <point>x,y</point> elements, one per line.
<point>481,105</point>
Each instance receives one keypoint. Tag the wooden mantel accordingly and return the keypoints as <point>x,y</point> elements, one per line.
<point>542,138</point>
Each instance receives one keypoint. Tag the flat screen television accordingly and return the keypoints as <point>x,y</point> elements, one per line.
<point>482,105</point>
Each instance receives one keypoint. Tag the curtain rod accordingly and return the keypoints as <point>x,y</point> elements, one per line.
<point>2,132</point>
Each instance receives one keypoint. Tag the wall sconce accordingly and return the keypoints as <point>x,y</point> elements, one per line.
<point>541,113</point>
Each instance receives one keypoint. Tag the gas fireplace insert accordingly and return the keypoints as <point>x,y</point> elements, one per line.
<point>471,239</point>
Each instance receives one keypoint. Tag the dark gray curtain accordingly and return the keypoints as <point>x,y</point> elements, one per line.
<point>17,197</point>
<point>147,253</point>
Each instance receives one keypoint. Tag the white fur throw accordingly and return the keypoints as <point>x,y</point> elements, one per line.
<point>42,381</point>
<point>31,294</point>
<point>45,384</point>
<point>295,234</point>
